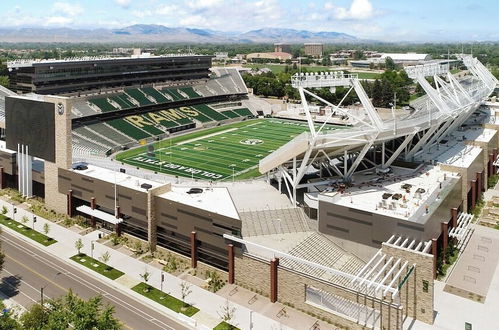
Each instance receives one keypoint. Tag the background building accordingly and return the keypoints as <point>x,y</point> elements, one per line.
<point>282,48</point>
<point>269,56</point>
<point>314,49</point>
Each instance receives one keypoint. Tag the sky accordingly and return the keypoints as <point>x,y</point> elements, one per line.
<point>384,20</point>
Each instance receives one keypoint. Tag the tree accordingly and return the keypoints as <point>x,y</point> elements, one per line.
<point>185,291</point>
<point>105,257</point>
<point>226,313</point>
<point>46,228</point>
<point>4,81</point>
<point>79,245</point>
<point>145,276</point>
<point>4,210</point>
<point>7,320</point>
<point>390,64</point>
<point>70,311</point>
<point>24,219</point>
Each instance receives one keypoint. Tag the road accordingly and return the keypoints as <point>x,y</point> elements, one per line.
<point>27,269</point>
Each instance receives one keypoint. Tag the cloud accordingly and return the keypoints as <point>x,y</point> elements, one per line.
<point>358,10</point>
<point>58,20</point>
<point>204,4</point>
<point>123,3</point>
<point>67,8</point>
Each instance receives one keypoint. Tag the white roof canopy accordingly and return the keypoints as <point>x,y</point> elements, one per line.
<point>99,214</point>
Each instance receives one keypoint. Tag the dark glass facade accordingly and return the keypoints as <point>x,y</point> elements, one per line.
<point>87,75</point>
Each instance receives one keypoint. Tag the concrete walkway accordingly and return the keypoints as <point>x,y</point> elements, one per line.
<point>210,304</point>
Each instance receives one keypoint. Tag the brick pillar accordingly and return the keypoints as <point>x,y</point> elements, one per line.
<point>434,252</point>
<point>118,215</point>
<point>491,157</point>
<point>473,194</point>
<point>69,206</point>
<point>194,250</point>
<point>2,178</point>
<point>230,250</point>
<point>273,279</point>
<point>92,218</point>
<point>453,212</point>
<point>479,183</point>
<point>445,241</point>
<point>494,157</point>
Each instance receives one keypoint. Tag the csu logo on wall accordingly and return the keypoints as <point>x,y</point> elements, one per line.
<point>251,141</point>
<point>60,108</point>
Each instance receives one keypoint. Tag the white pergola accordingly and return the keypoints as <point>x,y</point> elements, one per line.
<point>435,115</point>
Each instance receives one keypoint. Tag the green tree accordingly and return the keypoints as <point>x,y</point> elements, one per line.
<point>226,313</point>
<point>7,320</point>
<point>4,81</point>
<point>146,276</point>
<point>24,219</point>
<point>79,245</point>
<point>185,291</point>
<point>46,228</point>
<point>105,257</point>
<point>390,64</point>
<point>70,311</point>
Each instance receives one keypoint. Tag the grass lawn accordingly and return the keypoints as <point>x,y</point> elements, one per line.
<point>26,231</point>
<point>97,266</point>
<point>165,299</point>
<point>218,153</point>
<point>367,75</point>
<point>225,326</point>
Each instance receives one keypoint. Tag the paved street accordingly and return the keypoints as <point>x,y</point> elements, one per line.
<point>27,270</point>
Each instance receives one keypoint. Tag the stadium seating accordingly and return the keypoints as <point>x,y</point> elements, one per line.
<point>122,101</point>
<point>103,104</point>
<point>105,130</point>
<point>243,112</point>
<point>209,112</point>
<point>173,93</point>
<point>230,114</point>
<point>129,129</point>
<point>160,98</point>
<point>139,96</point>
<point>189,91</point>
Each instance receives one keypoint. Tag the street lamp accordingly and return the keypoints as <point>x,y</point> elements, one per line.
<point>34,220</point>
<point>92,249</point>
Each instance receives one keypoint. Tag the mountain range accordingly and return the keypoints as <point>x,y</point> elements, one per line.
<point>161,33</point>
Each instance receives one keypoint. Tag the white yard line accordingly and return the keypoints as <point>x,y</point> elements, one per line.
<point>207,136</point>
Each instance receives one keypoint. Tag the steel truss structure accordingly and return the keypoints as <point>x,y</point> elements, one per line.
<point>445,107</point>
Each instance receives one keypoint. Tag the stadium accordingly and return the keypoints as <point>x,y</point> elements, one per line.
<point>339,211</point>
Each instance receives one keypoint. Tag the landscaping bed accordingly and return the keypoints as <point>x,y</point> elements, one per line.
<point>97,266</point>
<point>26,231</point>
<point>165,299</point>
<point>225,326</point>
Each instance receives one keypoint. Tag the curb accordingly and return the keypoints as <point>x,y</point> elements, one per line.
<point>121,288</point>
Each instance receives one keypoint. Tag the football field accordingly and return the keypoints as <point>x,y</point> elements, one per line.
<point>219,153</point>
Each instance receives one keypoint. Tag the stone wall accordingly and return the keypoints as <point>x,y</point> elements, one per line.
<point>418,303</point>
<point>254,273</point>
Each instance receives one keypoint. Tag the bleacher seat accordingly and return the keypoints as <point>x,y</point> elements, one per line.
<point>122,101</point>
<point>190,92</point>
<point>209,112</point>
<point>243,112</point>
<point>139,96</point>
<point>173,93</point>
<point>129,129</point>
<point>160,98</point>
<point>103,104</point>
<point>230,114</point>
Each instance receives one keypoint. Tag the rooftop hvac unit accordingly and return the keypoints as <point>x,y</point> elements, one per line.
<point>146,186</point>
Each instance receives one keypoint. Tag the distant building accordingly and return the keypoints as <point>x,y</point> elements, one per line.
<point>407,58</point>
<point>314,49</point>
<point>269,56</point>
<point>282,48</point>
<point>221,56</point>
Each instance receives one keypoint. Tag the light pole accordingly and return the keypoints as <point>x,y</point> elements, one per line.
<point>34,220</point>
<point>162,280</point>
<point>14,211</point>
<point>92,249</point>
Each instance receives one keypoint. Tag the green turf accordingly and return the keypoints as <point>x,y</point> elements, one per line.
<point>165,299</point>
<point>225,326</point>
<point>26,231</point>
<point>218,157</point>
<point>278,68</point>
<point>97,266</point>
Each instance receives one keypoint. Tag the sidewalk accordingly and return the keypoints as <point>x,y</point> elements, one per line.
<point>209,303</point>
